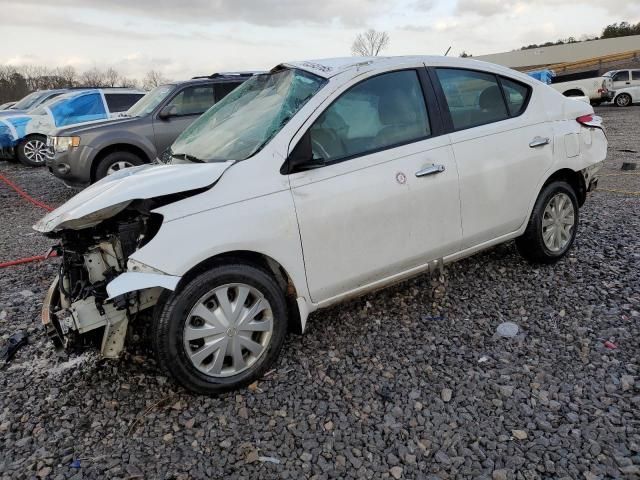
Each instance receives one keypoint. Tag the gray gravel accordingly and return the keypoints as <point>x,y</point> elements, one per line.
<point>411,382</point>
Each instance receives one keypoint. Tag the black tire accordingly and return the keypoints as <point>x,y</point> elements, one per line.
<point>596,103</point>
<point>32,151</point>
<point>531,244</point>
<point>115,158</point>
<point>623,100</point>
<point>169,324</point>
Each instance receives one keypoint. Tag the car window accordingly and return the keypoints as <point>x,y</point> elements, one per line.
<point>223,89</point>
<point>516,94</point>
<point>635,75</point>
<point>474,98</point>
<point>121,102</point>
<point>84,107</point>
<point>622,76</point>
<point>378,113</point>
<point>193,100</point>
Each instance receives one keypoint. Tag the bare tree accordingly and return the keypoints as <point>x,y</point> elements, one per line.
<point>68,75</point>
<point>152,79</point>
<point>93,78</point>
<point>370,43</point>
<point>112,77</point>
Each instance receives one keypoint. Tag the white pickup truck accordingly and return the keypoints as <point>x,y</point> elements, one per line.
<point>585,84</point>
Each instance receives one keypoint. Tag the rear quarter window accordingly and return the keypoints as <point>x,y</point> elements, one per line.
<point>516,94</point>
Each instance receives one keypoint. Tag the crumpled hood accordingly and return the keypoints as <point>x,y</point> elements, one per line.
<point>112,194</point>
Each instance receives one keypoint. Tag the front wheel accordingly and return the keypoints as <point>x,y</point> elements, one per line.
<point>116,161</point>
<point>33,151</point>
<point>222,330</point>
<point>623,100</point>
<point>553,224</point>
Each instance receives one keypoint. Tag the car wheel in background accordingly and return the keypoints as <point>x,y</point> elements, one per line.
<point>623,100</point>
<point>553,224</point>
<point>33,151</point>
<point>222,330</point>
<point>116,161</point>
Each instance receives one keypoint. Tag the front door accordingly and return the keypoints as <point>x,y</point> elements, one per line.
<point>382,196</point>
<point>621,79</point>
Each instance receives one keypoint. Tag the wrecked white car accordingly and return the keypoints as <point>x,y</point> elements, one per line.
<point>307,186</point>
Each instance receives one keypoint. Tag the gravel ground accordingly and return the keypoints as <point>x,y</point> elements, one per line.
<point>410,382</point>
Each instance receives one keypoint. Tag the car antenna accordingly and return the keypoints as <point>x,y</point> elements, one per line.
<point>447,52</point>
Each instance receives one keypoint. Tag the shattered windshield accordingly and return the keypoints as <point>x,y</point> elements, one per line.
<point>243,122</point>
<point>150,101</point>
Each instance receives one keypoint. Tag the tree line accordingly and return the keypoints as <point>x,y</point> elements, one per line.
<point>622,29</point>
<point>17,82</point>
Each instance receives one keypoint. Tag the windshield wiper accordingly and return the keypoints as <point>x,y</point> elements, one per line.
<point>186,156</point>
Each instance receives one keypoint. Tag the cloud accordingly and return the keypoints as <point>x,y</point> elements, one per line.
<point>489,8</point>
<point>256,12</point>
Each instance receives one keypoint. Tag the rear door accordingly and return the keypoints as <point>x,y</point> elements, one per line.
<point>502,145</point>
<point>380,196</point>
<point>635,78</point>
<point>188,104</point>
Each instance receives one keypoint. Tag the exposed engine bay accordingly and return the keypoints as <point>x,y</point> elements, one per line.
<point>77,310</point>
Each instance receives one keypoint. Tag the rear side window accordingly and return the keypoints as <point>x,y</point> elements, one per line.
<point>474,98</point>
<point>516,94</point>
<point>378,113</point>
<point>193,100</point>
<point>635,75</point>
<point>121,102</point>
<point>223,89</point>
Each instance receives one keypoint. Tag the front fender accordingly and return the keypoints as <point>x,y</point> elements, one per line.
<point>108,139</point>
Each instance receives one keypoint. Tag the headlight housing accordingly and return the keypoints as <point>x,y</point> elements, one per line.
<point>62,144</point>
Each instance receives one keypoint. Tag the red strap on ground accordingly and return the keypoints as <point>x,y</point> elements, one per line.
<point>25,195</point>
<point>20,261</point>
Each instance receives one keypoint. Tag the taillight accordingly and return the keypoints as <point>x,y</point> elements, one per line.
<point>591,121</point>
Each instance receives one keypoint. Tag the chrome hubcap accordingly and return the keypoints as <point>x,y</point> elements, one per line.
<point>228,330</point>
<point>118,166</point>
<point>35,151</point>
<point>558,222</point>
<point>623,100</point>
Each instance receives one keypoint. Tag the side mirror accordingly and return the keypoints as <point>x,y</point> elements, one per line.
<point>168,111</point>
<point>301,157</point>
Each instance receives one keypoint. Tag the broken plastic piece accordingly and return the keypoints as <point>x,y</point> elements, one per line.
<point>14,343</point>
<point>610,345</point>
<point>75,464</point>
<point>507,329</point>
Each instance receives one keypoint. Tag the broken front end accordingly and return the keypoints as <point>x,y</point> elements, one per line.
<point>78,309</point>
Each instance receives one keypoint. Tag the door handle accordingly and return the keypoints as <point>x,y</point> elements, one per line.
<point>539,142</point>
<point>430,170</point>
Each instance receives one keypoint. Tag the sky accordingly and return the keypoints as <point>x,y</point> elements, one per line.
<point>197,37</point>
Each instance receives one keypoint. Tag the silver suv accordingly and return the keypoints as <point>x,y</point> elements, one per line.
<point>82,155</point>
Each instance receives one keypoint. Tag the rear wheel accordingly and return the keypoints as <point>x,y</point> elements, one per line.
<point>33,151</point>
<point>553,224</point>
<point>223,330</point>
<point>116,161</point>
<point>623,100</point>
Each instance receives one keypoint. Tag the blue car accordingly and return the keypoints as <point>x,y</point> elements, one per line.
<point>25,134</point>
<point>31,101</point>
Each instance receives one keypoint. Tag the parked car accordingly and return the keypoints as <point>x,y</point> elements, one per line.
<point>31,101</point>
<point>25,135</point>
<point>585,84</point>
<point>304,187</point>
<point>624,78</point>
<point>625,97</point>
<point>7,105</point>
<point>83,154</point>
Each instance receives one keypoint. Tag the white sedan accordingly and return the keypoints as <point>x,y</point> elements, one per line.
<point>307,186</point>
<point>625,97</point>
